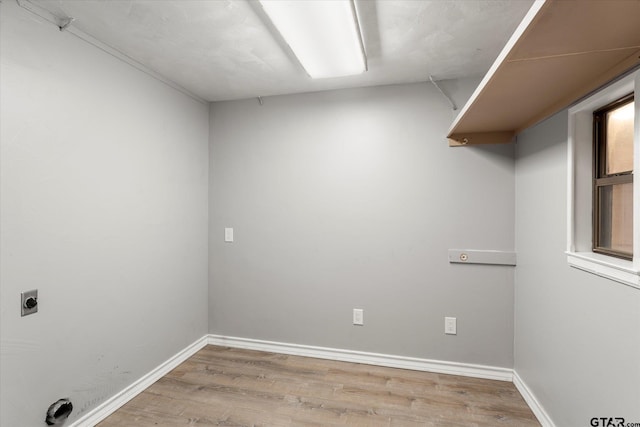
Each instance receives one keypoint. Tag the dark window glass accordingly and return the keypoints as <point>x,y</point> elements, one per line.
<point>613,178</point>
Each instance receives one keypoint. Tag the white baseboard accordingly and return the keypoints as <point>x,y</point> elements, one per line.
<point>531,400</point>
<point>417,364</point>
<point>392,361</point>
<point>110,406</point>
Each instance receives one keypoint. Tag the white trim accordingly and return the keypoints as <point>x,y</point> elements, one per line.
<point>392,361</point>
<point>571,182</point>
<point>65,25</point>
<point>579,186</point>
<point>403,362</point>
<point>531,400</point>
<point>114,403</point>
<point>615,269</point>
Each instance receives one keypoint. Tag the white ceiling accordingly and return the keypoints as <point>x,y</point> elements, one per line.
<point>222,49</point>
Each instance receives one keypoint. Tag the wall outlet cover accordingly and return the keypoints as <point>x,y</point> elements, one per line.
<point>29,302</point>
<point>358,316</point>
<point>450,326</point>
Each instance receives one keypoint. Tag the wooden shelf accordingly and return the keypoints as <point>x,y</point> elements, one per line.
<point>561,51</point>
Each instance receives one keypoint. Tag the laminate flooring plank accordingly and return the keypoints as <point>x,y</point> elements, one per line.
<point>220,386</point>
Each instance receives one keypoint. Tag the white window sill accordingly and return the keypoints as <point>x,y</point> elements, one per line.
<point>619,270</point>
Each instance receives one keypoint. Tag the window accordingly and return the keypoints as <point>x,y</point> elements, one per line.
<point>603,205</point>
<point>613,178</point>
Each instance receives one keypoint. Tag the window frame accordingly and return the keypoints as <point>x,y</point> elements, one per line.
<point>580,158</point>
<point>600,176</point>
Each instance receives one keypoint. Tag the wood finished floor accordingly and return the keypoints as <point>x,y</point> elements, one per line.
<point>221,386</point>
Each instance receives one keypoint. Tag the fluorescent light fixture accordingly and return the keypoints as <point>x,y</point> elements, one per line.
<point>323,34</point>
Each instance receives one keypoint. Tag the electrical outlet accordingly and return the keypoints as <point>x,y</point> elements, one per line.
<point>358,316</point>
<point>450,326</point>
<point>29,302</point>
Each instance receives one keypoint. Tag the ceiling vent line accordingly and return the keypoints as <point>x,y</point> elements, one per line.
<point>64,24</point>
<point>435,83</point>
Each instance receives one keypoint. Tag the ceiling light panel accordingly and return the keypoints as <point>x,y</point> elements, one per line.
<point>324,35</point>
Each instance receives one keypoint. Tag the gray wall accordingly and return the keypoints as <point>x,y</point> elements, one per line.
<point>338,200</point>
<point>351,199</point>
<point>104,179</point>
<point>577,336</point>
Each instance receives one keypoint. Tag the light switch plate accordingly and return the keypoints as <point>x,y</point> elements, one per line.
<point>450,326</point>
<point>228,234</point>
<point>358,316</point>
